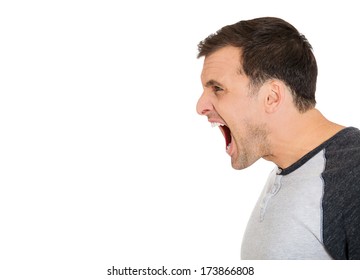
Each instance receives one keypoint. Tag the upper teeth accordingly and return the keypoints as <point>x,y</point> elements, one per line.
<point>215,124</point>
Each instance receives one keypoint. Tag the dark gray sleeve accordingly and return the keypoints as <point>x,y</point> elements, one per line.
<point>341,199</point>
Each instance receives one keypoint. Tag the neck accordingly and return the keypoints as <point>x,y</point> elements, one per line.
<point>298,134</point>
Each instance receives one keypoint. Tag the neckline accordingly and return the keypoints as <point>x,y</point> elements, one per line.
<point>309,155</point>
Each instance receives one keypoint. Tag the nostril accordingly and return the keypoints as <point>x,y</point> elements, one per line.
<point>204,112</point>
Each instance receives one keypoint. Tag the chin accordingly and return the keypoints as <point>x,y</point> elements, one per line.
<point>237,166</point>
<point>241,164</point>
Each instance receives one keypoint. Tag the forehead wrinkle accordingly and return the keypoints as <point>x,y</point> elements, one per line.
<point>212,72</point>
<point>222,66</point>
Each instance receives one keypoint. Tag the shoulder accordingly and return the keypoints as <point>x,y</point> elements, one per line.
<point>342,151</point>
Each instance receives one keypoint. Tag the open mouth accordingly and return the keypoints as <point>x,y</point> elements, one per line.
<point>226,132</point>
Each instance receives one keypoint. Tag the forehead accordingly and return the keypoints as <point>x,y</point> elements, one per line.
<point>223,62</point>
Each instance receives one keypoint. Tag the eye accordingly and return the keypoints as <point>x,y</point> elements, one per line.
<point>216,89</point>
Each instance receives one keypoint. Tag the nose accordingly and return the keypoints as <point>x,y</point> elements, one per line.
<point>204,105</point>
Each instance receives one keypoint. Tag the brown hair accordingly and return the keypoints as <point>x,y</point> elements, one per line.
<point>271,48</point>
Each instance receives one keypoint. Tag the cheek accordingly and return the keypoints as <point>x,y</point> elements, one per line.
<point>239,118</point>
<point>237,111</point>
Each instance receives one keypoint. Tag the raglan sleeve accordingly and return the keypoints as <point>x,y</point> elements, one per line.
<point>351,214</point>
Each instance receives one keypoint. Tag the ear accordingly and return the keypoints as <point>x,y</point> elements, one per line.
<point>274,97</point>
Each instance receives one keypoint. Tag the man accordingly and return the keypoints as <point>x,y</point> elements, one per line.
<point>259,80</point>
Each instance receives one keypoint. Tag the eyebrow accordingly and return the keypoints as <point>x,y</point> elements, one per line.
<point>211,83</point>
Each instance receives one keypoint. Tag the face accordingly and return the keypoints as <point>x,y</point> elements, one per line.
<point>229,103</point>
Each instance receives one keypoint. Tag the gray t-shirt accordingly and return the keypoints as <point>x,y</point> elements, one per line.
<point>310,210</point>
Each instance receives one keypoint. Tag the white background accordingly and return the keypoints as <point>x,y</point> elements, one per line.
<point>103,159</point>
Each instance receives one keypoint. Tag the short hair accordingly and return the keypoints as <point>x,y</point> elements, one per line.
<point>270,48</point>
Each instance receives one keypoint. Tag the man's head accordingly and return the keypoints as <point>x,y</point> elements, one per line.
<point>271,48</point>
<point>249,69</point>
